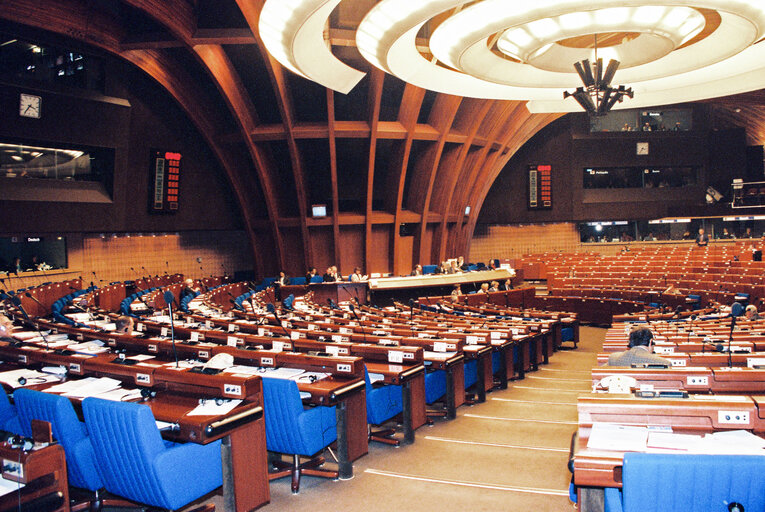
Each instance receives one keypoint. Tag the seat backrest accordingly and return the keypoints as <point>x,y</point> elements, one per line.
<point>317,279</point>
<point>659,482</point>
<point>67,430</point>
<point>297,281</point>
<point>126,441</point>
<point>282,406</point>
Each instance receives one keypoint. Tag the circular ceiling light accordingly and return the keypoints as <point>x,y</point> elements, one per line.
<point>669,54</point>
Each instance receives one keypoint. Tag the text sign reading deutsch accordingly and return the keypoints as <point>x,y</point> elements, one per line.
<point>166,175</point>
<point>540,187</point>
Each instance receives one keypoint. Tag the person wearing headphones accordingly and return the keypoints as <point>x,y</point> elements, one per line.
<point>641,341</point>
<point>751,312</point>
<point>124,324</point>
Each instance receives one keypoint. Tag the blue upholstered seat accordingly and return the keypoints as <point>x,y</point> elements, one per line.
<point>429,269</point>
<point>655,482</point>
<point>317,279</point>
<point>9,420</point>
<point>383,403</point>
<point>137,464</point>
<point>435,385</point>
<point>297,281</point>
<point>471,373</point>
<point>67,429</point>
<point>290,428</point>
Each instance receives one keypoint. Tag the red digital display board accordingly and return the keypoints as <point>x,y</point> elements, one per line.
<point>540,187</point>
<point>165,176</point>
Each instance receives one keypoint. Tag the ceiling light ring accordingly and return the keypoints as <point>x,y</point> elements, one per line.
<point>733,35</point>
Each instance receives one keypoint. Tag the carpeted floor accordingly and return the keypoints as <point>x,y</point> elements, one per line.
<point>509,453</point>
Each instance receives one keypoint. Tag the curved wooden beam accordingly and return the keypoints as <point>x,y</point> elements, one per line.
<point>374,98</point>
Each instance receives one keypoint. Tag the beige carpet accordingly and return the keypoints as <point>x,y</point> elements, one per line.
<point>509,453</point>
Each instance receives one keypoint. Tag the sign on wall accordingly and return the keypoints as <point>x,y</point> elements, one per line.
<point>540,187</point>
<point>165,175</point>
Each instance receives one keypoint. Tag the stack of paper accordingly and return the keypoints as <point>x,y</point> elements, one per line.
<point>90,386</point>
<point>210,408</point>
<point>88,347</point>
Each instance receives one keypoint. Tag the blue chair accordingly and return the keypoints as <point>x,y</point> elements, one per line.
<point>138,465</point>
<point>317,279</point>
<point>67,429</point>
<point>292,430</point>
<point>9,419</point>
<point>383,403</point>
<point>297,281</point>
<point>655,482</point>
<point>429,269</point>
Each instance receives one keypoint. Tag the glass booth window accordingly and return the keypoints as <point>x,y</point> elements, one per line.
<point>45,162</point>
<point>32,253</point>
<point>639,177</point>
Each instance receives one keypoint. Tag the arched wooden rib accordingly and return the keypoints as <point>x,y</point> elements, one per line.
<point>441,118</point>
<point>176,15</point>
<point>495,122</point>
<point>377,78</point>
<point>251,11</point>
<point>407,115</point>
<point>445,186</point>
<point>233,91</point>
<point>333,175</point>
<point>515,142</point>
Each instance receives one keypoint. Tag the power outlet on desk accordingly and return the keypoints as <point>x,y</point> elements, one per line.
<point>13,470</point>
<point>678,362</point>
<point>733,417</point>
<point>697,381</point>
<point>344,368</point>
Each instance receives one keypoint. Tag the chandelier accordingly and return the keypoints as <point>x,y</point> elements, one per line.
<point>597,97</point>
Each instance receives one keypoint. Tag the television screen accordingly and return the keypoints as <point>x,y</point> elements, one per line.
<point>319,210</point>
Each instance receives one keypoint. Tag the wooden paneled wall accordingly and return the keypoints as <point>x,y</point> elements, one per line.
<point>516,240</point>
<point>111,257</point>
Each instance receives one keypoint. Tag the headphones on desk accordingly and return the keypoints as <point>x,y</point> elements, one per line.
<point>309,378</point>
<point>147,393</point>
<point>218,401</point>
<point>22,443</point>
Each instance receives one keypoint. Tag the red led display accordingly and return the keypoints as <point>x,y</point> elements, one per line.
<point>540,187</point>
<point>166,177</point>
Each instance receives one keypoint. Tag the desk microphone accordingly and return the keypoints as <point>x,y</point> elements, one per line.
<point>353,310</point>
<point>16,300</point>
<point>169,299</point>
<point>332,304</point>
<point>736,310</point>
<point>271,309</point>
<point>233,301</point>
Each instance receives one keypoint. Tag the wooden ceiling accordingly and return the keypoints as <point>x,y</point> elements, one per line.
<point>419,158</point>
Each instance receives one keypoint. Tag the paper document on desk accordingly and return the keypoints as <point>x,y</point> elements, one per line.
<point>376,377</point>
<point>120,395</point>
<point>209,408</point>
<point>88,347</point>
<point>282,373</point>
<point>33,377</point>
<point>309,377</point>
<point>8,486</point>
<point>734,442</point>
<point>90,386</point>
<point>244,370</point>
<point>623,438</point>
<point>25,335</point>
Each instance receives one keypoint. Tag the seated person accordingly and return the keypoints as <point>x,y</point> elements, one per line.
<point>456,292</point>
<point>702,239</point>
<point>6,328</point>
<point>508,285</point>
<point>641,341</point>
<point>417,270</point>
<point>188,288</point>
<point>444,268</point>
<point>751,312</point>
<point>330,276</point>
<point>356,277</point>
<point>484,288</point>
<point>494,286</point>
<point>282,279</point>
<point>461,264</point>
<point>309,275</point>
<point>124,324</point>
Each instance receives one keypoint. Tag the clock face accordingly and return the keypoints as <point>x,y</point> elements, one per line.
<point>642,148</point>
<point>29,106</point>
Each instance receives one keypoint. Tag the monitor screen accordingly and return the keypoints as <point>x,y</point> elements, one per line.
<point>319,210</point>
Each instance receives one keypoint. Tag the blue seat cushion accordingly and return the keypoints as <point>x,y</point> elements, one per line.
<point>435,385</point>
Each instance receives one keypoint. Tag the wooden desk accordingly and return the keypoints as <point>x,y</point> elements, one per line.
<point>693,379</point>
<point>43,475</point>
